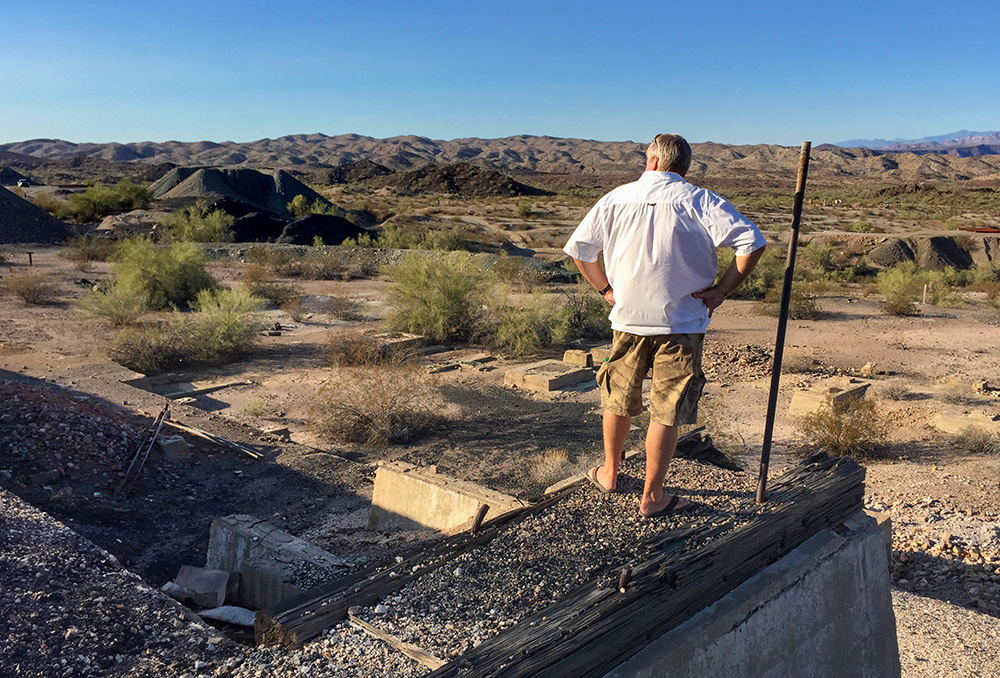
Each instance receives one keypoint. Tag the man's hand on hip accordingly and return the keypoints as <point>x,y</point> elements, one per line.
<point>712,297</point>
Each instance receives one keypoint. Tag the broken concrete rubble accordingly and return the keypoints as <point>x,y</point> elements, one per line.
<point>546,375</point>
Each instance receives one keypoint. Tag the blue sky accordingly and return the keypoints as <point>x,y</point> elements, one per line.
<point>726,71</point>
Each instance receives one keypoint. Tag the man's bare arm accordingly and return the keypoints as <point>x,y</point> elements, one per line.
<point>736,273</point>
<point>596,276</point>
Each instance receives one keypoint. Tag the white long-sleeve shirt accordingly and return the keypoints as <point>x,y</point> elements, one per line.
<point>659,236</point>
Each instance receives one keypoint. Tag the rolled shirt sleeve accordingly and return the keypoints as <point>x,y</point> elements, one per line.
<point>587,241</point>
<point>729,228</point>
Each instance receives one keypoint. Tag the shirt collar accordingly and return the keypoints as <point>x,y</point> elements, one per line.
<point>668,177</point>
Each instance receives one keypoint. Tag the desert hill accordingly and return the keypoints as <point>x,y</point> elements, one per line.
<point>458,178</point>
<point>521,155</point>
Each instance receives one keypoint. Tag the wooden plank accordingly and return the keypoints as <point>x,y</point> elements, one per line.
<point>218,440</point>
<point>589,632</point>
<point>409,649</point>
<point>303,617</point>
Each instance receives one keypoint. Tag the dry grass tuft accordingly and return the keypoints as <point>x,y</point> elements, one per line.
<point>391,402</point>
<point>33,287</point>
<point>854,429</point>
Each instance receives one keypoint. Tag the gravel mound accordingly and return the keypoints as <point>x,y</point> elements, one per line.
<point>264,192</point>
<point>937,253</point>
<point>892,253</point>
<point>22,222</point>
<point>10,176</point>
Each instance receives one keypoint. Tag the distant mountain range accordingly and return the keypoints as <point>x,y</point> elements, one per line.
<point>535,160</point>
<point>962,143</point>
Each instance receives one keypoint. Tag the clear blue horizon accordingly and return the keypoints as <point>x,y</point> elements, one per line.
<point>729,72</point>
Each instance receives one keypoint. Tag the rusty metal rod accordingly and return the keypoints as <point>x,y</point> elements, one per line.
<point>779,342</point>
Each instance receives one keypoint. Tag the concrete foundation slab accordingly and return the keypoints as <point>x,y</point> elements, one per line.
<point>408,497</point>
<point>837,390</point>
<point>546,375</point>
<point>273,564</point>
<point>823,610</point>
<point>398,342</point>
<point>955,424</point>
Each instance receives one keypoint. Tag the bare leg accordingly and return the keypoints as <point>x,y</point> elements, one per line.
<point>661,441</point>
<point>615,430</point>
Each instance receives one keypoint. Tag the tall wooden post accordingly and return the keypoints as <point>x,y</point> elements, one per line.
<point>779,342</point>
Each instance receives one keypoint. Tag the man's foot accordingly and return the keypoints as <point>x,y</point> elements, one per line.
<point>671,504</point>
<point>596,482</point>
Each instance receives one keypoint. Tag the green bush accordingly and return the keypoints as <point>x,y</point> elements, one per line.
<point>439,297</point>
<point>900,289</point>
<point>524,209</point>
<point>518,331</point>
<point>583,315</point>
<point>226,325</point>
<point>98,201</point>
<point>166,276</point>
<point>198,224</point>
<point>769,270</point>
<point>120,304</point>
<point>300,207</point>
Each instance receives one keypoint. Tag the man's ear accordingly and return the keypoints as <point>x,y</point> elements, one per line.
<point>652,162</point>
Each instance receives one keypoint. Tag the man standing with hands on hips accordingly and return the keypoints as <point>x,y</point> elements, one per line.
<point>659,236</point>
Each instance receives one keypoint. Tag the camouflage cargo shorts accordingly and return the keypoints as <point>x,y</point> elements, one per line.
<point>677,377</point>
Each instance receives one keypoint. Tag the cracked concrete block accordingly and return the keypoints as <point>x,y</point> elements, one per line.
<point>273,564</point>
<point>398,342</point>
<point>838,390</point>
<point>174,447</point>
<point>408,497</point>
<point>575,356</point>
<point>547,375</point>
<point>600,353</point>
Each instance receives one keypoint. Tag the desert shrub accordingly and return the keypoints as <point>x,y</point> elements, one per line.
<point>198,224</point>
<point>167,276</point>
<point>226,325</point>
<point>82,250</point>
<point>296,309</point>
<point>986,272</point>
<point>817,256</point>
<point>939,288</point>
<point>517,331</point>
<point>257,279</point>
<point>895,390</point>
<point>150,349</point>
<point>768,271</point>
<point>120,304</point>
<point>439,297</point>
<point>861,226</point>
<point>583,315</point>
<point>343,308</point>
<point>854,428</point>
<point>900,289</point>
<point>515,271</point>
<point>524,209</point>
<point>50,203</point>
<point>363,240</point>
<point>300,207</point>
<point>978,441</point>
<point>351,349</point>
<point>98,201</point>
<point>395,237</point>
<point>801,305</point>
<point>442,239</point>
<point>32,286</point>
<point>391,402</point>
<point>255,407</point>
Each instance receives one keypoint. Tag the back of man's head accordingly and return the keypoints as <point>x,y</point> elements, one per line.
<point>673,154</point>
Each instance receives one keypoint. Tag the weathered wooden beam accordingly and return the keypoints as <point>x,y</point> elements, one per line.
<point>409,649</point>
<point>589,632</point>
<point>305,616</point>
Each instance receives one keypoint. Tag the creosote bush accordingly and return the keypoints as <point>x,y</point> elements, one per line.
<point>801,305</point>
<point>225,326</point>
<point>390,402</point>
<point>170,276</point>
<point>199,224</point>
<point>119,304</point>
<point>99,201</point>
<point>83,250</point>
<point>854,428</point>
<point>438,297</point>
<point>353,349</point>
<point>32,286</point>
